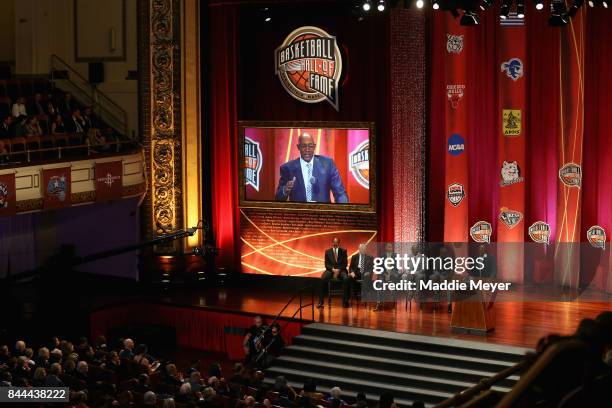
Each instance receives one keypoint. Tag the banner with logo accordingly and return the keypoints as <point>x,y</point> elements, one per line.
<point>56,188</point>
<point>109,182</point>
<point>571,79</point>
<point>456,162</point>
<point>511,159</point>
<point>7,194</point>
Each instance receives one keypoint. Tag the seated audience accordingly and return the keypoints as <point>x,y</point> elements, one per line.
<point>75,123</point>
<point>32,127</point>
<point>310,390</point>
<point>57,126</point>
<point>37,107</point>
<point>336,395</point>
<point>128,349</point>
<point>361,401</point>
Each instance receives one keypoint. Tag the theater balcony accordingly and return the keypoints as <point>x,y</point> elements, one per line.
<point>50,172</point>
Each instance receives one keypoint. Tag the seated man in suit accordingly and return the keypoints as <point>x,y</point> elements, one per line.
<point>335,267</point>
<point>310,178</point>
<point>361,267</point>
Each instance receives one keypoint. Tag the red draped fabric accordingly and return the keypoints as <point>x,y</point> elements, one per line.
<point>222,67</point>
<point>554,65</point>
<point>201,329</point>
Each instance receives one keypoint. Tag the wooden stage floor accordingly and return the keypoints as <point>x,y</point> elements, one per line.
<point>517,323</point>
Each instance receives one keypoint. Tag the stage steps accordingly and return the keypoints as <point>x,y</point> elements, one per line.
<point>412,367</point>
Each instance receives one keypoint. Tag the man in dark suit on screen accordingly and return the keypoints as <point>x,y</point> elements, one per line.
<point>310,178</point>
<point>335,267</point>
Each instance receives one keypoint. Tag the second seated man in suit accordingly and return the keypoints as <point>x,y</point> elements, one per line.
<point>311,177</point>
<point>361,267</point>
<point>335,267</point>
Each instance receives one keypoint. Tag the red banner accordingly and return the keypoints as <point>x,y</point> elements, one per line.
<point>56,188</point>
<point>512,104</point>
<point>456,174</point>
<point>109,180</point>
<point>7,194</point>
<point>571,79</point>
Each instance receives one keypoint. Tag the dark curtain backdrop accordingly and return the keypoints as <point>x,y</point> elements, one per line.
<point>542,118</point>
<point>243,86</point>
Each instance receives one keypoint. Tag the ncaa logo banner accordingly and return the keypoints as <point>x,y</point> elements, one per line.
<point>309,65</point>
<point>456,145</point>
<point>252,163</point>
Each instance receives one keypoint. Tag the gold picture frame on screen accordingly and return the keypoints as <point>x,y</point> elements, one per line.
<point>369,207</point>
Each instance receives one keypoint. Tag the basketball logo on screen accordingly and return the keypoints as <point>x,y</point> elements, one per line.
<point>252,163</point>
<point>359,160</point>
<point>4,196</point>
<point>540,232</point>
<point>309,65</point>
<point>481,232</point>
<point>511,122</point>
<point>597,237</point>
<point>571,175</point>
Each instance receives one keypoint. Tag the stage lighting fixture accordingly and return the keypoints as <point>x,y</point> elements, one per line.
<point>539,4</point>
<point>575,7</point>
<point>505,9</point>
<point>420,3</point>
<point>469,18</point>
<point>558,14</point>
<point>485,4</point>
<point>520,9</point>
<point>591,3</point>
<point>605,3</point>
<point>435,5</point>
<point>381,5</point>
<point>366,6</point>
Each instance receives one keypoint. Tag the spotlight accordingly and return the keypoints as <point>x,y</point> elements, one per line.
<point>469,18</point>
<point>605,4</point>
<point>420,4</point>
<point>575,7</point>
<point>366,6</point>
<point>505,9</point>
<point>591,3</point>
<point>539,4</point>
<point>485,4</point>
<point>520,9</point>
<point>435,5</point>
<point>558,13</point>
<point>381,5</point>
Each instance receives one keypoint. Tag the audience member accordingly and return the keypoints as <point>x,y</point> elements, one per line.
<point>336,395</point>
<point>362,401</point>
<point>149,399</point>
<point>53,379</point>
<point>19,108</point>
<point>386,400</point>
<point>7,129</point>
<point>75,123</point>
<point>310,390</point>
<point>128,349</point>
<point>38,107</point>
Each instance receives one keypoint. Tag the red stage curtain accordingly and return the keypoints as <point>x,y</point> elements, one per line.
<point>543,127</point>
<point>222,67</point>
<point>195,328</point>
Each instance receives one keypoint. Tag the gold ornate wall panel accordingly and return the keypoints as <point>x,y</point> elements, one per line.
<point>160,95</point>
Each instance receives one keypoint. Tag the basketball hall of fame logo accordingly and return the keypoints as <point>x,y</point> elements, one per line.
<point>252,163</point>
<point>540,232</point>
<point>571,175</point>
<point>481,232</point>
<point>309,65</point>
<point>359,162</point>
<point>596,236</point>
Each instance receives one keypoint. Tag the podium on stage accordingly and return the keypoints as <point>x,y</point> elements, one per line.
<point>473,314</point>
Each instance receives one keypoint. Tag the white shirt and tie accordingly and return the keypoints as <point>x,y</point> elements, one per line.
<point>307,170</point>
